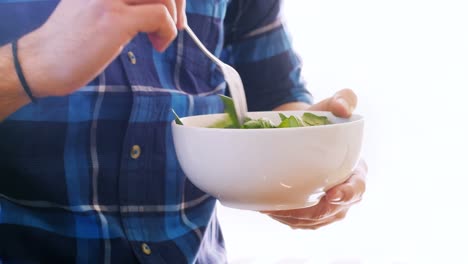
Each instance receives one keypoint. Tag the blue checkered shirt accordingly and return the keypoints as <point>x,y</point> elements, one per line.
<point>92,177</point>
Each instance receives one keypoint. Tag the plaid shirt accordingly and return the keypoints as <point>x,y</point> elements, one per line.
<point>92,177</point>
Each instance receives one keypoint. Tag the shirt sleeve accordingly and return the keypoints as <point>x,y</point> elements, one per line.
<point>257,45</point>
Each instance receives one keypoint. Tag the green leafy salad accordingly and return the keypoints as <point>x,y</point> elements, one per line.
<point>307,119</point>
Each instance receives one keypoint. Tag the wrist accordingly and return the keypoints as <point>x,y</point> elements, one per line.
<point>34,65</point>
<point>12,95</point>
<point>19,72</point>
<point>54,63</point>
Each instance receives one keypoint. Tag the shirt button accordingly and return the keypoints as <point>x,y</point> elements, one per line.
<point>131,57</point>
<point>146,249</point>
<point>135,152</point>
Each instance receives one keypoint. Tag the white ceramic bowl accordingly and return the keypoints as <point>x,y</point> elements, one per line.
<point>268,169</point>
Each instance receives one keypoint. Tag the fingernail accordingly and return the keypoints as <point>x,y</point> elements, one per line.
<point>337,198</point>
<point>344,103</point>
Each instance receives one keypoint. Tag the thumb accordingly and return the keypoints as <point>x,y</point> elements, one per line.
<point>341,104</point>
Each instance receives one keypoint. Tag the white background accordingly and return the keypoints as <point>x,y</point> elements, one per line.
<point>408,62</point>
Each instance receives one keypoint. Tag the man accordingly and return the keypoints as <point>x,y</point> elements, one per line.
<point>88,169</point>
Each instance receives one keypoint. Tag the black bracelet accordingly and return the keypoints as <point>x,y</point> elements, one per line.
<point>19,72</point>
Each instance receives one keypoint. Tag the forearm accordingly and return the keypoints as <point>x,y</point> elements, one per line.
<point>12,95</point>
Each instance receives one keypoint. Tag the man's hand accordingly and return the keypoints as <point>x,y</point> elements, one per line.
<point>82,37</point>
<point>337,201</point>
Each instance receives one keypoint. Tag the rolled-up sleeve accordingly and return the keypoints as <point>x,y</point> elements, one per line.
<point>258,46</point>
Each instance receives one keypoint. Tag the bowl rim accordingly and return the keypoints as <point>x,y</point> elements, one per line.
<point>358,119</point>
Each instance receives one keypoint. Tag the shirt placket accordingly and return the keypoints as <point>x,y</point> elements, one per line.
<point>134,156</point>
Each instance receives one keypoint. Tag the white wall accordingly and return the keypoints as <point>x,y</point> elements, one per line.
<point>408,62</point>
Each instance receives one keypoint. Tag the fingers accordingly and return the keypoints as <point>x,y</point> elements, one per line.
<point>331,208</point>
<point>327,221</point>
<point>302,223</point>
<point>160,36</point>
<point>169,4</point>
<point>316,212</point>
<point>181,16</point>
<point>350,191</point>
<point>175,7</point>
<point>341,104</point>
<point>156,19</point>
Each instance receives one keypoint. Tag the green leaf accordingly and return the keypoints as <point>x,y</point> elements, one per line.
<point>314,120</point>
<point>177,118</point>
<point>223,123</point>
<point>230,110</point>
<point>252,124</point>
<point>291,121</point>
<point>258,123</point>
<point>282,116</point>
<point>231,121</point>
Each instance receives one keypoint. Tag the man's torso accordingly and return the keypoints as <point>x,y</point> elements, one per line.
<point>93,176</point>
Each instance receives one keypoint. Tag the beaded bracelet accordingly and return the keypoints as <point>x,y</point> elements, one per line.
<point>19,72</point>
